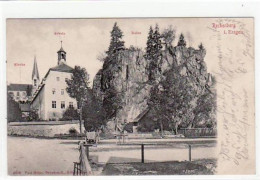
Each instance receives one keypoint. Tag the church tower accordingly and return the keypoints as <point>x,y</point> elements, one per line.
<point>61,56</point>
<point>35,76</point>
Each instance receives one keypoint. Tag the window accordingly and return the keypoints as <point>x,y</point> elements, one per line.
<point>53,91</point>
<point>35,82</point>
<point>58,78</point>
<point>66,79</point>
<point>71,104</point>
<point>18,93</point>
<point>11,94</point>
<point>62,105</point>
<point>53,104</point>
<point>62,92</point>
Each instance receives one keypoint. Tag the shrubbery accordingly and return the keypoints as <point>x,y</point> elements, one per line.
<point>33,116</point>
<point>70,114</point>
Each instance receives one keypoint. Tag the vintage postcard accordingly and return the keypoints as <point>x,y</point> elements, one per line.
<point>130,96</point>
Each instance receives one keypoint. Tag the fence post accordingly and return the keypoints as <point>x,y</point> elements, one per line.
<point>87,149</point>
<point>74,170</point>
<point>142,147</point>
<point>189,152</point>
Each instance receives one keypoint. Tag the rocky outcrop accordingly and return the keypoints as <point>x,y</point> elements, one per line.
<point>97,85</point>
<point>130,76</point>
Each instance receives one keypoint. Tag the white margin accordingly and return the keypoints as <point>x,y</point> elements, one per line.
<point>134,8</point>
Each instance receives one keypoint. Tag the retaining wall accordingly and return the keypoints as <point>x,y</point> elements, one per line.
<point>42,129</point>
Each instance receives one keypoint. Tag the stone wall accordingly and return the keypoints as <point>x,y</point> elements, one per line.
<point>42,129</point>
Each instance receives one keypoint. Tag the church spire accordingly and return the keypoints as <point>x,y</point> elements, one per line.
<point>35,76</point>
<point>35,72</point>
<point>61,55</point>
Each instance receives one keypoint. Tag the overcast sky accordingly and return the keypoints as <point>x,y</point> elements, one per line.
<point>85,39</point>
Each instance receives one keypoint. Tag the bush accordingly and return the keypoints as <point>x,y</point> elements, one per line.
<point>70,114</point>
<point>33,116</point>
<point>129,127</point>
<point>72,131</point>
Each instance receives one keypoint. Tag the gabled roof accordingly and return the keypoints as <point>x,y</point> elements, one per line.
<point>37,92</point>
<point>18,87</point>
<point>62,67</point>
<point>35,69</point>
<point>141,115</point>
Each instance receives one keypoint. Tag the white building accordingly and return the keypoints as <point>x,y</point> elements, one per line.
<point>50,98</point>
<point>19,92</point>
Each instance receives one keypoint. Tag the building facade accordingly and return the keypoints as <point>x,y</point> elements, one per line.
<point>50,98</point>
<point>19,92</point>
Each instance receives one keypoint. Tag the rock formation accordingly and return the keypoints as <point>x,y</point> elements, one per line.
<point>130,76</point>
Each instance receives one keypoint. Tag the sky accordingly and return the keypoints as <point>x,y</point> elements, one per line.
<point>85,39</point>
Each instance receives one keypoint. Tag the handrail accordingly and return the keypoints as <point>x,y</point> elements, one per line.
<point>83,161</point>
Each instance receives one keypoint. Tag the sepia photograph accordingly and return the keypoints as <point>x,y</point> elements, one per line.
<point>130,96</point>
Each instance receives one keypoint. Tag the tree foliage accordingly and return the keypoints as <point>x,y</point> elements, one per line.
<point>13,111</point>
<point>168,36</point>
<point>201,47</point>
<point>33,115</point>
<point>77,86</point>
<point>182,41</point>
<point>93,113</point>
<point>172,99</point>
<point>112,101</point>
<point>116,42</point>
<point>182,100</point>
<point>70,114</point>
<point>153,53</point>
<point>183,97</point>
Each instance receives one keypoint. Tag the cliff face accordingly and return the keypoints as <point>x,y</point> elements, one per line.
<point>130,76</point>
<point>136,86</point>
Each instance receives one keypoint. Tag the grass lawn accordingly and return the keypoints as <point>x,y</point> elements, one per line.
<point>202,167</point>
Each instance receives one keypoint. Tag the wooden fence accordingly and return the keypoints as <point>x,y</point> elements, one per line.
<point>82,168</point>
<point>198,132</point>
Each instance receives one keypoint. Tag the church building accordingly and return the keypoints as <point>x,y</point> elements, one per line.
<point>50,97</point>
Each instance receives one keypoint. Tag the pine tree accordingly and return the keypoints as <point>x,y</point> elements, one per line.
<point>201,47</point>
<point>116,42</point>
<point>149,44</point>
<point>153,52</point>
<point>182,41</point>
<point>157,43</point>
<point>112,65</point>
